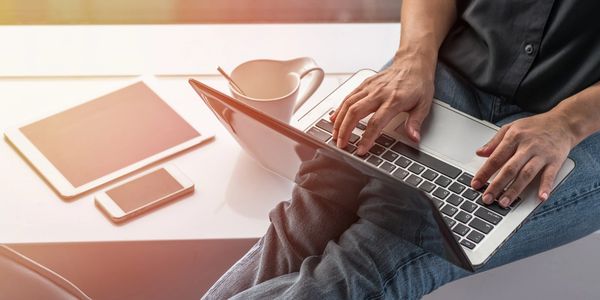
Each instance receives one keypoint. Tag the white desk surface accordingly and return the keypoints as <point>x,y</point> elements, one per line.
<point>49,68</point>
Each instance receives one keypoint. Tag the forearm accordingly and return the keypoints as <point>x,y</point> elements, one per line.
<point>581,113</point>
<point>425,25</point>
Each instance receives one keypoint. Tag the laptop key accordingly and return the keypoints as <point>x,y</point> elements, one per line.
<point>364,156</point>
<point>456,187</point>
<point>475,236</point>
<point>465,179</point>
<point>468,206</point>
<point>413,180</point>
<point>325,125</point>
<point>353,138</point>
<point>387,167</point>
<point>454,200</point>
<point>361,126</point>
<point>318,134</point>
<point>441,193</point>
<point>390,156</point>
<point>399,173</point>
<point>488,216</point>
<point>403,162</point>
<point>481,225</point>
<point>427,186</point>
<point>374,160</point>
<point>494,207</point>
<point>515,203</point>
<point>443,181</point>
<point>426,160</point>
<point>449,210</point>
<point>429,174</point>
<point>463,217</point>
<point>349,147</point>
<point>467,244</point>
<point>377,149</point>
<point>470,194</point>
<point>438,203</point>
<point>416,168</point>
<point>385,140</point>
<point>449,221</point>
<point>461,229</point>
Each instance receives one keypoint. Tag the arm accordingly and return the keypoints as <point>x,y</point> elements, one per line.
<point>538,144</point>
<point>407,85</point>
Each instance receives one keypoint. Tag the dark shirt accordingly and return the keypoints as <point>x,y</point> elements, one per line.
<point>535,53</point>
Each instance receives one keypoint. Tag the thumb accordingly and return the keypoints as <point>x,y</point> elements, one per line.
<point>415,120</point>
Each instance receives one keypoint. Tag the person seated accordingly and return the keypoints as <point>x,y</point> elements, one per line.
<point>531,67</point>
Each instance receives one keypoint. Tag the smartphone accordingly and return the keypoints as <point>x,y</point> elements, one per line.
<point>144,192</point>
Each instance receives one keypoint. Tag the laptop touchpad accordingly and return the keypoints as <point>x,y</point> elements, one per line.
<point>453,136</point>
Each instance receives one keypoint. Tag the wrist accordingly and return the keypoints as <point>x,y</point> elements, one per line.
<point>570,124</point>
<point>425,60</point>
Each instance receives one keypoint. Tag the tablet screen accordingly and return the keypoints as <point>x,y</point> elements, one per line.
<point>109,133</point>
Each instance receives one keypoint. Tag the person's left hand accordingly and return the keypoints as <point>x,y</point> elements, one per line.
<point>520,151</point>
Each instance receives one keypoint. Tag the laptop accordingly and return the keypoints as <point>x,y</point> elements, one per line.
<point>437,171</point>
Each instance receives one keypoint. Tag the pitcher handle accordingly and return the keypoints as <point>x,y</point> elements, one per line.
<point>314,75</point>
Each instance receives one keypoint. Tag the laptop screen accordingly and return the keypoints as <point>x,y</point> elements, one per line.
<point>334,190</point>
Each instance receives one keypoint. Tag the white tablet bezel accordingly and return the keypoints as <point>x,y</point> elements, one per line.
<point>60,183</point>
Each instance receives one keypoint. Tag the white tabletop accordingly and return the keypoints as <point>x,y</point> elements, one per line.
<point>47,69</point>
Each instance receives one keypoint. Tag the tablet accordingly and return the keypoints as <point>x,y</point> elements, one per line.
<point>93,143</point>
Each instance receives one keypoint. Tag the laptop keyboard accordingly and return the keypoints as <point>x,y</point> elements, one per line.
<point>449,187</point>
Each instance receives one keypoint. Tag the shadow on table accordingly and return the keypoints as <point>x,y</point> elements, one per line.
<point>140,270</point>
<point>246,189</point>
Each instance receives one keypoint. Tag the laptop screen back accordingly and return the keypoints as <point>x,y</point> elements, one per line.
<point>335,185</point>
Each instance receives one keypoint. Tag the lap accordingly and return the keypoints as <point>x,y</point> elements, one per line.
<point>366,259</point>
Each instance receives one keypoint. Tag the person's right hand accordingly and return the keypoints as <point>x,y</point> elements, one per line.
<point>406,86</point>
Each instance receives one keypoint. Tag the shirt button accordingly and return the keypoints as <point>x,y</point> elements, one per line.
<point>529,49</point>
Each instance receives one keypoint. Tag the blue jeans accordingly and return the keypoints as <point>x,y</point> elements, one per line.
<point>314,251</point>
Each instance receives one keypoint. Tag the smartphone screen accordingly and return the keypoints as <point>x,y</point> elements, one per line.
<point>144,190</point>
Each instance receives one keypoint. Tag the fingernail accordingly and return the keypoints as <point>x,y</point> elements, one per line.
<point>339,143</point>
<point>416,135</point>
<point>505,202</point>
<point>476,184</point>
<point>544,196</point>
<point>488,198</point>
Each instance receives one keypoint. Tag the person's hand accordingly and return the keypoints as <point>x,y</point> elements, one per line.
<point>406,86</point>
<point>520,151</point>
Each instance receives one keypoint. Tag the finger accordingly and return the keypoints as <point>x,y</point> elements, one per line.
<point>487,149</point>
<point>356,112</point>
<point>415,120</point>
<point>382,117</point>
<point>506,164</point>
<point>357,90</point>
<point>547,180</point>
<point>525,176</point>
<point>493,163</point>
<point>341,111</point>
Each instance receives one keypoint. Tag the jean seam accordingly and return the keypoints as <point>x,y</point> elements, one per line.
<point>395,273</point>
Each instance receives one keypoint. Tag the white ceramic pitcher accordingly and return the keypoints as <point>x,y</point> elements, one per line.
<point>277,88</point>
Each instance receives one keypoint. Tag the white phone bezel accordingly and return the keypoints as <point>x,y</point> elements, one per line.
<point>104,201</point>
<point>60,183</point>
